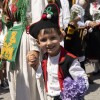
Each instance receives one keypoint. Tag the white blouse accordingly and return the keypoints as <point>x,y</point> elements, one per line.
<point>52,70</point>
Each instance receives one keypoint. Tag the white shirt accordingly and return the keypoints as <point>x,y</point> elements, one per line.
<point>52,80</point>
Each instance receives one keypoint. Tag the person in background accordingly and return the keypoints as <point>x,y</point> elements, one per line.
<point>57,63</point>
<point>23,84</point>
<point>73,41</point>
<point>92,37</point>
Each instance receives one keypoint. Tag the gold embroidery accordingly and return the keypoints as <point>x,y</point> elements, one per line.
<point>8,49</point>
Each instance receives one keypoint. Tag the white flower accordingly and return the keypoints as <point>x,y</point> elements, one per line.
<point>49,16</point>
<point>76,10</point>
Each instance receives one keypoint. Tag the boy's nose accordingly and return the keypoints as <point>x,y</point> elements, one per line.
<point>48,42</point>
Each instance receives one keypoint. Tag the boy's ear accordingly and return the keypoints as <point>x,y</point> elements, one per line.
<point>37,41</point>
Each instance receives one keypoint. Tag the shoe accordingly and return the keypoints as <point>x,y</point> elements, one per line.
<point>96,73</point>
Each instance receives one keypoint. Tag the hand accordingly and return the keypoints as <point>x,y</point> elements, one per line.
<point>75,20</point>
<point>33,59</point>
<point>92,24</point>
<point>63,32</point>
<point>74,23</point>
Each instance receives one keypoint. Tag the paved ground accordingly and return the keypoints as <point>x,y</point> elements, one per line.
<point>94,90</point>
<point>92,94</point>
<point>4,94</point>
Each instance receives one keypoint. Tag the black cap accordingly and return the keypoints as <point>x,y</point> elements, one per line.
<point>49,19</point>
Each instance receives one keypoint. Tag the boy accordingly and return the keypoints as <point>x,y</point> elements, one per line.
<point>57,63</point>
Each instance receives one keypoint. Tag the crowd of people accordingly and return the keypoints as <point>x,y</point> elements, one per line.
<point>45,45</point>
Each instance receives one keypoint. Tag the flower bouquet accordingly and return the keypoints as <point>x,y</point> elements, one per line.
<point>76,12</point>
<point>73,89</point>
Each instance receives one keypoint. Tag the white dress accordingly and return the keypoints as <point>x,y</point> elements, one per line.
<point>37,7</point>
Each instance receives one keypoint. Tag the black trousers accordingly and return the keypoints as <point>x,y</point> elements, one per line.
<point>57,98</point>
<point>83,65</point>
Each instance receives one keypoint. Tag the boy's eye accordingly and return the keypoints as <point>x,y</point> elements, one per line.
<point>43,40</point>
<point>52,38</point>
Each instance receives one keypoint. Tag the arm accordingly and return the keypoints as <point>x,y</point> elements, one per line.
<point>92,24</point>
<point>33,59</point>
<point>76,70</point>
<point>33,55</point>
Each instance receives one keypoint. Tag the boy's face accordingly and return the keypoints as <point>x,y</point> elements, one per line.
<point>50,42</point>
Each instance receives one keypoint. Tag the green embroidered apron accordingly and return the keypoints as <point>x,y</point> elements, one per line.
<point>11,43</point>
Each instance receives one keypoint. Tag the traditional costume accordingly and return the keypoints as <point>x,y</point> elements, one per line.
<point>73,38</point>
<point>92,37</point>
<point>56,68</point>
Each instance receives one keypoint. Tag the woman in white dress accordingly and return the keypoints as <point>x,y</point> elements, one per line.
<point>22,80</point>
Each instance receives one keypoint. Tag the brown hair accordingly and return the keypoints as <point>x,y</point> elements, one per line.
<point>1,4</point>
<point>51,1</point>
<point>50,30</point>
